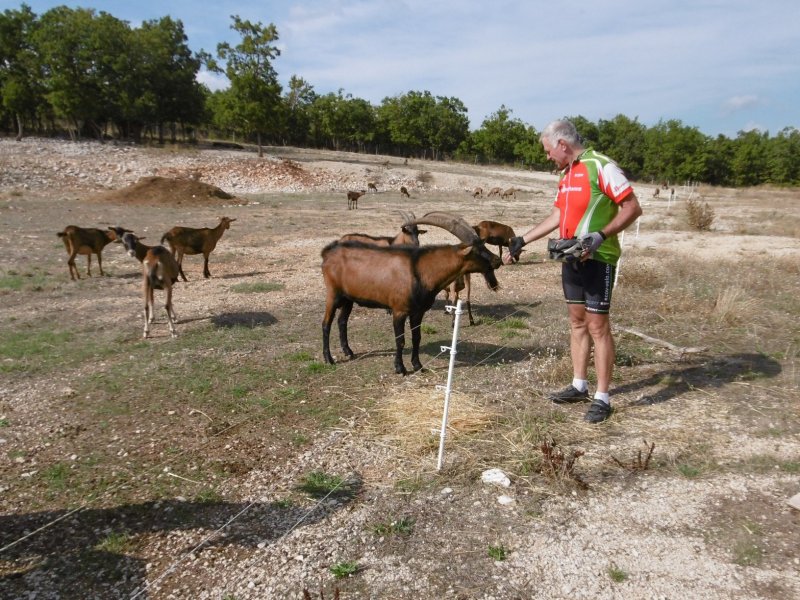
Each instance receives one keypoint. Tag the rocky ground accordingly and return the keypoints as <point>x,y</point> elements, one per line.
<point>632,533</point>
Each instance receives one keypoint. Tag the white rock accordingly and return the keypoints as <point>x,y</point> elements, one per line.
<point>495,476</point>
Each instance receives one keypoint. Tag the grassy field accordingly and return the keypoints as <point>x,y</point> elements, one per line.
<point>112,443</point>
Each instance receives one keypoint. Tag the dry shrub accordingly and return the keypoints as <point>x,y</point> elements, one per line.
<point>732,306</point>
<point>413,417</point>
<point>642,275</point>
<point>425,177</point>
<point>700,215</point>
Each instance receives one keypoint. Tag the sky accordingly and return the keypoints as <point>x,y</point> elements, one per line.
<point>723,66</point>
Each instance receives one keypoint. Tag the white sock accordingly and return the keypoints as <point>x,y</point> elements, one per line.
<point>580,384</point>
<point>603,396</point>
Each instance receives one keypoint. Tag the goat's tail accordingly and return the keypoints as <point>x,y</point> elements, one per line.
<point>164,237</point>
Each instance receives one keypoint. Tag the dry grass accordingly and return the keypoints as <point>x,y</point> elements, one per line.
<point>412,418</point>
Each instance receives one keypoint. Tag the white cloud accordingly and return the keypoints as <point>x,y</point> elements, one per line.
<point>737,103</point>
<point>214,81</point>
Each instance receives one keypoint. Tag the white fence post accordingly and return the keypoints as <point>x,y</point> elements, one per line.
<point>452,348</point>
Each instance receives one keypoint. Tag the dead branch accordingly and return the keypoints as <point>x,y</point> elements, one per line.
<point>678,349</point>
<point>638,464</point>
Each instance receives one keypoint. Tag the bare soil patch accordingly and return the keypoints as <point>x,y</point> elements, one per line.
<point>172,468</point>
<point>160,190</point>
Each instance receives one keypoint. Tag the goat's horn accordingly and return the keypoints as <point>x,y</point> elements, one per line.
<point>452,223</point>
<point>408,217</point>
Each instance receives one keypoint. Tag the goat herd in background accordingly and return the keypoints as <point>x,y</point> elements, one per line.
<point>161,267</point>
<point>390,272</point>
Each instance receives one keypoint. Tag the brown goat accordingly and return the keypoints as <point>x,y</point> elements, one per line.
<point>460,284</point>
<point>477,192</point>
<point>408,235</point>
<point>352,199</point>
<point>78,240</point>
<point>492,232</point>
<point>188,240</point>
<point>495,191</point>
<point>160,272</point>
<point>509,192</point>
<point>403,279</point>
<point>371,186</point>
<point>404,192</point>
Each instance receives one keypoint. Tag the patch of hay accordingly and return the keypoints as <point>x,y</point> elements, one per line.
<point>166,190</point>
<point>411,419</point>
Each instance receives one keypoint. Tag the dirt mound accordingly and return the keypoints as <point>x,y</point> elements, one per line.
<point>167,190</point>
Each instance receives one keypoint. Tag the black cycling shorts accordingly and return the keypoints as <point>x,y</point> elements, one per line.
<point>589,282</point>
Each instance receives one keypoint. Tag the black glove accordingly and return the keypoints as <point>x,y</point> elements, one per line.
<point>592,241</point>
<point>515,246</point>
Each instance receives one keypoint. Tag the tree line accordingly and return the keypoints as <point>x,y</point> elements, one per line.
<point>89,74</point>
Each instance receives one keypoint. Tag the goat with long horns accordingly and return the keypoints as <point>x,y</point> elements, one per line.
<point>403,279</point>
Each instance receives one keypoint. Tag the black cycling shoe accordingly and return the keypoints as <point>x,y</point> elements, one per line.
<point>598,412</point>
<point>568,395</point>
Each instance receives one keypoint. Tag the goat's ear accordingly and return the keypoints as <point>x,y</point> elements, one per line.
<point>465,250</point>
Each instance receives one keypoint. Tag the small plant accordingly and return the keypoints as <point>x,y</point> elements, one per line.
<point>114,543</point>
<point>638,464</point>
<point>318,484</point>
<point>558,465</point>
<point>688,471</point>
<point>498,553</point>
<point>700,216</point>
<point>428,329</point>
<point>317,367</point>
<point>398,527</point>
<point>344,569</point>
<point>208,496</point>
<point>616,574</point>
<point>4,422</point>
<point>56,476</point>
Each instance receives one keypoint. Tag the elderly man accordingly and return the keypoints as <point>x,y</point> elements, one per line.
<point>593,204</point>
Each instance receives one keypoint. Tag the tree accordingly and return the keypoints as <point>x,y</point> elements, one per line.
<point>297,100</point>
<point>623,140</point>
<point>750,158</point>
<point>20,69</point>
<point>169,69</point>
<point>500,137</point>
<point>80,54</point>
<point>782,157</point>
<point>255,89</point>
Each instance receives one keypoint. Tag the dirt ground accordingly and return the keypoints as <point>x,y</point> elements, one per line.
<point>169,468</point>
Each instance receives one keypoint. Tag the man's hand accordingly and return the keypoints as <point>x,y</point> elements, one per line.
<point>515,245</point>
<point>591,241</point>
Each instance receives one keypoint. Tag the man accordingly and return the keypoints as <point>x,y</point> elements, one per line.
<point>593,204</point>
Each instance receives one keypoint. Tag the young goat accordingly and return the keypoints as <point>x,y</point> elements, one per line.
<point>408,236</point>
<point>404,192</point>
<point>509,192</point>
<point>187,240</point>
<point>159,272</point>
<point>403,279</point>
<point>78,240</point>
<point>495,191</point>
<point>492,232</point>
<point>461,283</point>
<point>352,199</point>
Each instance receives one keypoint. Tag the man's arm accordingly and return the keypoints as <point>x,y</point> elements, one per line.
<point>534,233</point>
<point>629,211</point>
